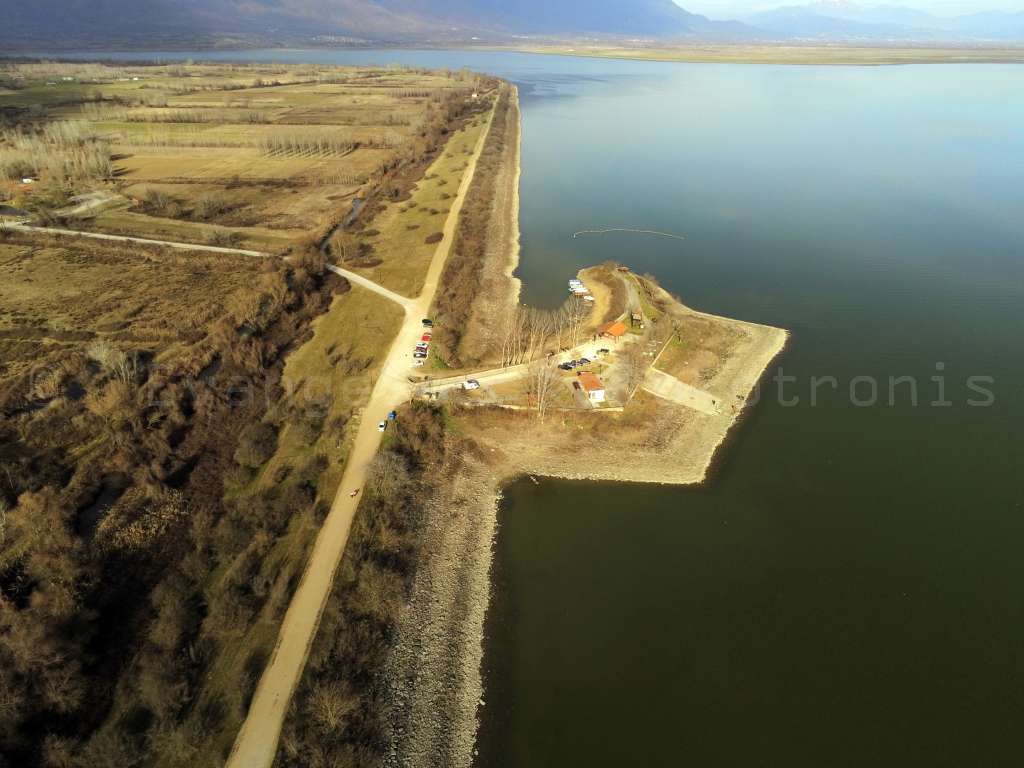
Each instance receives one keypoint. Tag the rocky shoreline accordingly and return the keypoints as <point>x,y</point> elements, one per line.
<point>434,682</point>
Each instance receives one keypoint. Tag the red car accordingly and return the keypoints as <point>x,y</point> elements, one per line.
<point>426,337</point>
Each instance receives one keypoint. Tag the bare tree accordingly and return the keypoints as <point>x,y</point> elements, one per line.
<point>569,322</point>
<point>331,704</point>
<point>246,307</point>
<point>512,336</point>
<point>539,326</point>
<point>543,380</point>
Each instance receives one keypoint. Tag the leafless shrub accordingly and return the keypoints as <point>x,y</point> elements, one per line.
<point>117,363</point>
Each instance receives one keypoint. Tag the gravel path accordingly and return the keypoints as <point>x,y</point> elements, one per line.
<point>141,240</point>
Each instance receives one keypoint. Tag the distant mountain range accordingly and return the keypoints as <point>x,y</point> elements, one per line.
<point>842,21</point>
<point>69,24</point>
<point>72,23</point>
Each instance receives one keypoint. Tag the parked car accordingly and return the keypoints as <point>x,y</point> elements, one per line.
<point>584,361</point>
<point>423,345</point>
<point>428,323</point>
<point>565,367</point>
<point>426,337</point>
<point>419,355</point>
<point>392,415</point>
<point>382,426</point>
<point>603,351</point>
<point>470,384</point>
<point>417,363</point>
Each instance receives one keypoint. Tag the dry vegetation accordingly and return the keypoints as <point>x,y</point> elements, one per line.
<point>696,353</point>
<point>165,447</point>
<point>282,149</point>
<point>460,283</point>
<point>396,252</point>
<point>141,393</point>
<point>337,715</point>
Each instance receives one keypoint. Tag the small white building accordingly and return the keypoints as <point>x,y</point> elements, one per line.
<point>592,387</point>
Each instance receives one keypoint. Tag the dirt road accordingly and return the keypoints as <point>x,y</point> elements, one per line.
<point>256,744</point>
<point>494,376</point>
<point>361,281</point>
<point>141,240</point>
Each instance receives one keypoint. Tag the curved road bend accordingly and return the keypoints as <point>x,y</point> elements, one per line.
<point>256,744</point>
<point>369,285</point>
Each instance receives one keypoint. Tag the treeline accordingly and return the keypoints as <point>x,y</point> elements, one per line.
<point>309,145</point>
<point>137,543</point>
<point>392,179</point>
<point>214,116</point>
<point>336,715</point>
<point>460,284</point>
<point>282,144</point>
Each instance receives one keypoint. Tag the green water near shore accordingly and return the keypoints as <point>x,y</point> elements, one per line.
<point>848,589</point>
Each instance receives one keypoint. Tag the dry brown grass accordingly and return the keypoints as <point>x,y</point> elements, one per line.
<point>696,353</point>
<point>311,137</point>
<point>59,295</point>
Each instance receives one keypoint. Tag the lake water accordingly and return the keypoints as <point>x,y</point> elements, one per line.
<point>848,589</point>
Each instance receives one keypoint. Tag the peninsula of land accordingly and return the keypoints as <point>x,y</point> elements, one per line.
<point>305,560</point>
<point>676,382</point>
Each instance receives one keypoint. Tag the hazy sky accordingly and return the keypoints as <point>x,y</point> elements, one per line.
<point>724,9</point>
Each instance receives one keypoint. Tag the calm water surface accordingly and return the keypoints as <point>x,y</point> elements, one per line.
<point>848,590</point>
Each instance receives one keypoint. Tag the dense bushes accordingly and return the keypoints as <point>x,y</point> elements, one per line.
<point>125,568</point>
<point>335,715</point>
<point>256,445</point>
<point>460,284</point>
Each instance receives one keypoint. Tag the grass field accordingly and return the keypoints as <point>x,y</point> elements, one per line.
<point>698,349</point>
<point>332,374</point>
<point>283,148</point>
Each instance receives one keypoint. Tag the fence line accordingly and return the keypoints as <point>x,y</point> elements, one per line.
<point>625,229</point>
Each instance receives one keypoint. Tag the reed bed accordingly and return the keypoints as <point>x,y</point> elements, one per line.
<point>66,151</point>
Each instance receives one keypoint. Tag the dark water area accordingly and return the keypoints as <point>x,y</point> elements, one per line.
<point>848,588</point>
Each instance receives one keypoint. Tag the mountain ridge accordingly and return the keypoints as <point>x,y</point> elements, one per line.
<point>70,23</point>
<point>841,20</point>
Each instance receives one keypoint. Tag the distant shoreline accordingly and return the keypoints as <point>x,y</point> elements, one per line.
<point>791,53</point>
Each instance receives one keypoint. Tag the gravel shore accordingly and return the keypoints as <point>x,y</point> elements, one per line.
<point>434,675</point>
